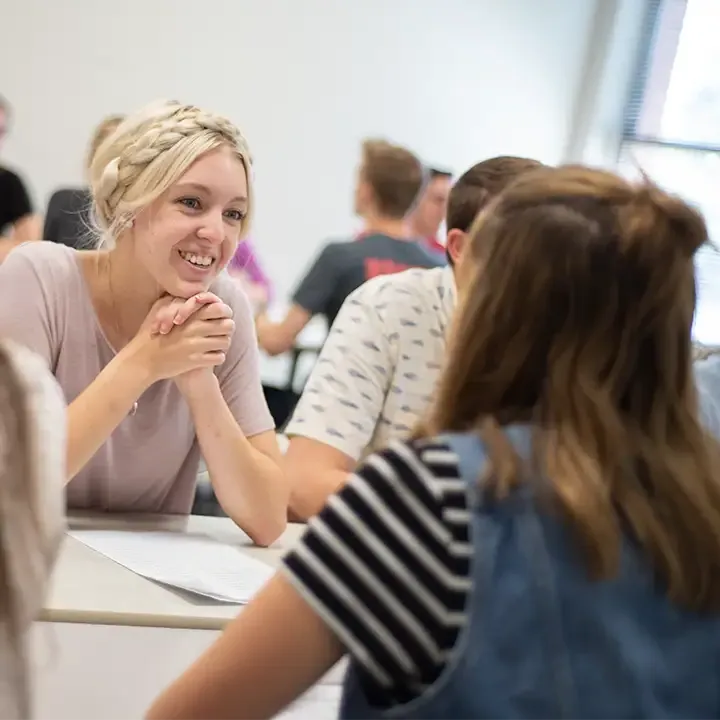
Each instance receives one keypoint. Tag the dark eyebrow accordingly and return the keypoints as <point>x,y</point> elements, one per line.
<point>206,190</point>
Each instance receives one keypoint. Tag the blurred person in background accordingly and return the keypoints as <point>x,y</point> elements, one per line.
<point>67,219</point>
<point>390,180</point>
<point>429,214</point>
<point>245,267</point>
<point>18,224</point>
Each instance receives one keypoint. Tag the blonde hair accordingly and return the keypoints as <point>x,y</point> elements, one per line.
<point>578,320</point>
<point>148,152</point>
<point>26,553</point>
<point>105,128</point>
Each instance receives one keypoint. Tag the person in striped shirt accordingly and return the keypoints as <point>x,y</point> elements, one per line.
<point>546,545</point>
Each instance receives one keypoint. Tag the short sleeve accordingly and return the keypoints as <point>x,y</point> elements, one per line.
<point>346,391</point>
<point>316,289</point>
<point>239,375</point>
<point>25,307</point>
<point>384,570</point>
<point>16,199</point>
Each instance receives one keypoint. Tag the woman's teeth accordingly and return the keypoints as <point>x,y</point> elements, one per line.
<point>199,260</point>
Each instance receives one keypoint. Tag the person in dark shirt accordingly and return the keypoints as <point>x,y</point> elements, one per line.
<point>17,222</point>
<point>67,220</point>
<point>390,179</point>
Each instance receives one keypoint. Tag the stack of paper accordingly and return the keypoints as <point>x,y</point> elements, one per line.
<point>193,563</point>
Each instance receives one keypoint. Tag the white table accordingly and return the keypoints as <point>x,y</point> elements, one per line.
<point>109,640</point>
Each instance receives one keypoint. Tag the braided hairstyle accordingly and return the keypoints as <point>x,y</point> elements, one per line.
<point>147,154</point>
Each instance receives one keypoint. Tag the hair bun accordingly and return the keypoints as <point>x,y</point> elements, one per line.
<point>685,224</point>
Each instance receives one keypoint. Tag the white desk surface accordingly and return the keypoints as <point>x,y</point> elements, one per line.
<point>88,587</point>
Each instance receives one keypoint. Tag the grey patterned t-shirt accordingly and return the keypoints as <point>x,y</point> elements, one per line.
<point>378,368</point>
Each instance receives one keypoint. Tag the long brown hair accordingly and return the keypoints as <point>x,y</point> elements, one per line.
<point>26,554</point>
<point>577,318</point>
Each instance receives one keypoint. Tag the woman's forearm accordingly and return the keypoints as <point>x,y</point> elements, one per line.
<point>101,407</point>
<point>250,485</point>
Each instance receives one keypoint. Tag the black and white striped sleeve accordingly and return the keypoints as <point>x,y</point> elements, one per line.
<point>385,564</point>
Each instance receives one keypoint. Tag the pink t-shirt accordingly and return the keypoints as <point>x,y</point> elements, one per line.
<point>150,462</point>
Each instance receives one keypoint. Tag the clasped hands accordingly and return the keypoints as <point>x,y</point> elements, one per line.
<point>183,339</point>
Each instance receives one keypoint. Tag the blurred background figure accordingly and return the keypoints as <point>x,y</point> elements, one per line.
<point>245,267</point>
<point>389,181</point>
<point>427,218</point>
<point>17,222</point>
<point>67,220</point>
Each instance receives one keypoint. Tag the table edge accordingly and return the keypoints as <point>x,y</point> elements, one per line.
<point>134,619</point>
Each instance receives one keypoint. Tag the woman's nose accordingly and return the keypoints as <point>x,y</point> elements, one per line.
<point>212,228</point>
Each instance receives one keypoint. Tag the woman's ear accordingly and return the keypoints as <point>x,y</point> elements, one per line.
<point>455,244</point>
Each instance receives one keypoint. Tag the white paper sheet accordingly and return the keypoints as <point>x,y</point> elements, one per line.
<point>193,563</point>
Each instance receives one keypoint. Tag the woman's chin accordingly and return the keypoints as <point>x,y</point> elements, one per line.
<point>185,280</point>
<point>186,289</point>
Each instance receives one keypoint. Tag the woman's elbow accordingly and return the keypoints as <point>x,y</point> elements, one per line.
<point>269,531</point>
<point>268,524</point>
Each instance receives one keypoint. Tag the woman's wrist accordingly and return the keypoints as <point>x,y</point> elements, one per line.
<point>198,385</point>
<point>133,370</point>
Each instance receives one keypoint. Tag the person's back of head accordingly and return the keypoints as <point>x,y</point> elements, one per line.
<point>577,318</point>
<point>26,553</point>
<point>389,182</point>
<point>472,192</point>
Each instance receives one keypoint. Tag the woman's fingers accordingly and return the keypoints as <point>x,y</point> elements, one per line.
<point>214,311</point>
<point>223,327</point>
<point>164,317</point>
<point>193,304</point>
<point>180,309</point>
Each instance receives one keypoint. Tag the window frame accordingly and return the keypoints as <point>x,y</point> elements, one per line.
<point>657,52</point>
<point>659,41</point>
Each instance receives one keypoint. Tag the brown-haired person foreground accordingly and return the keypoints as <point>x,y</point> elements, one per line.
<point>67,219</point>
<point>32,465</point>
<point>390,179</point>
<point>378,367</point>
<point>549,543</point>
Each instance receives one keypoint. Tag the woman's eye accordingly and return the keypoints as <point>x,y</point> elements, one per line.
<point>235,215</point>
<point>190,203</point>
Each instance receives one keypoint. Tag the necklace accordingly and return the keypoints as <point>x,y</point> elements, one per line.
<point>116,320</point>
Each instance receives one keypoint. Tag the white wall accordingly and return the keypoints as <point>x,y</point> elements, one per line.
<point>611,58</point>
<point>456,80</point>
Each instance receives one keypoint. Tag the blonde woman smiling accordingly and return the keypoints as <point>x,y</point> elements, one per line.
<point>153,347</point>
